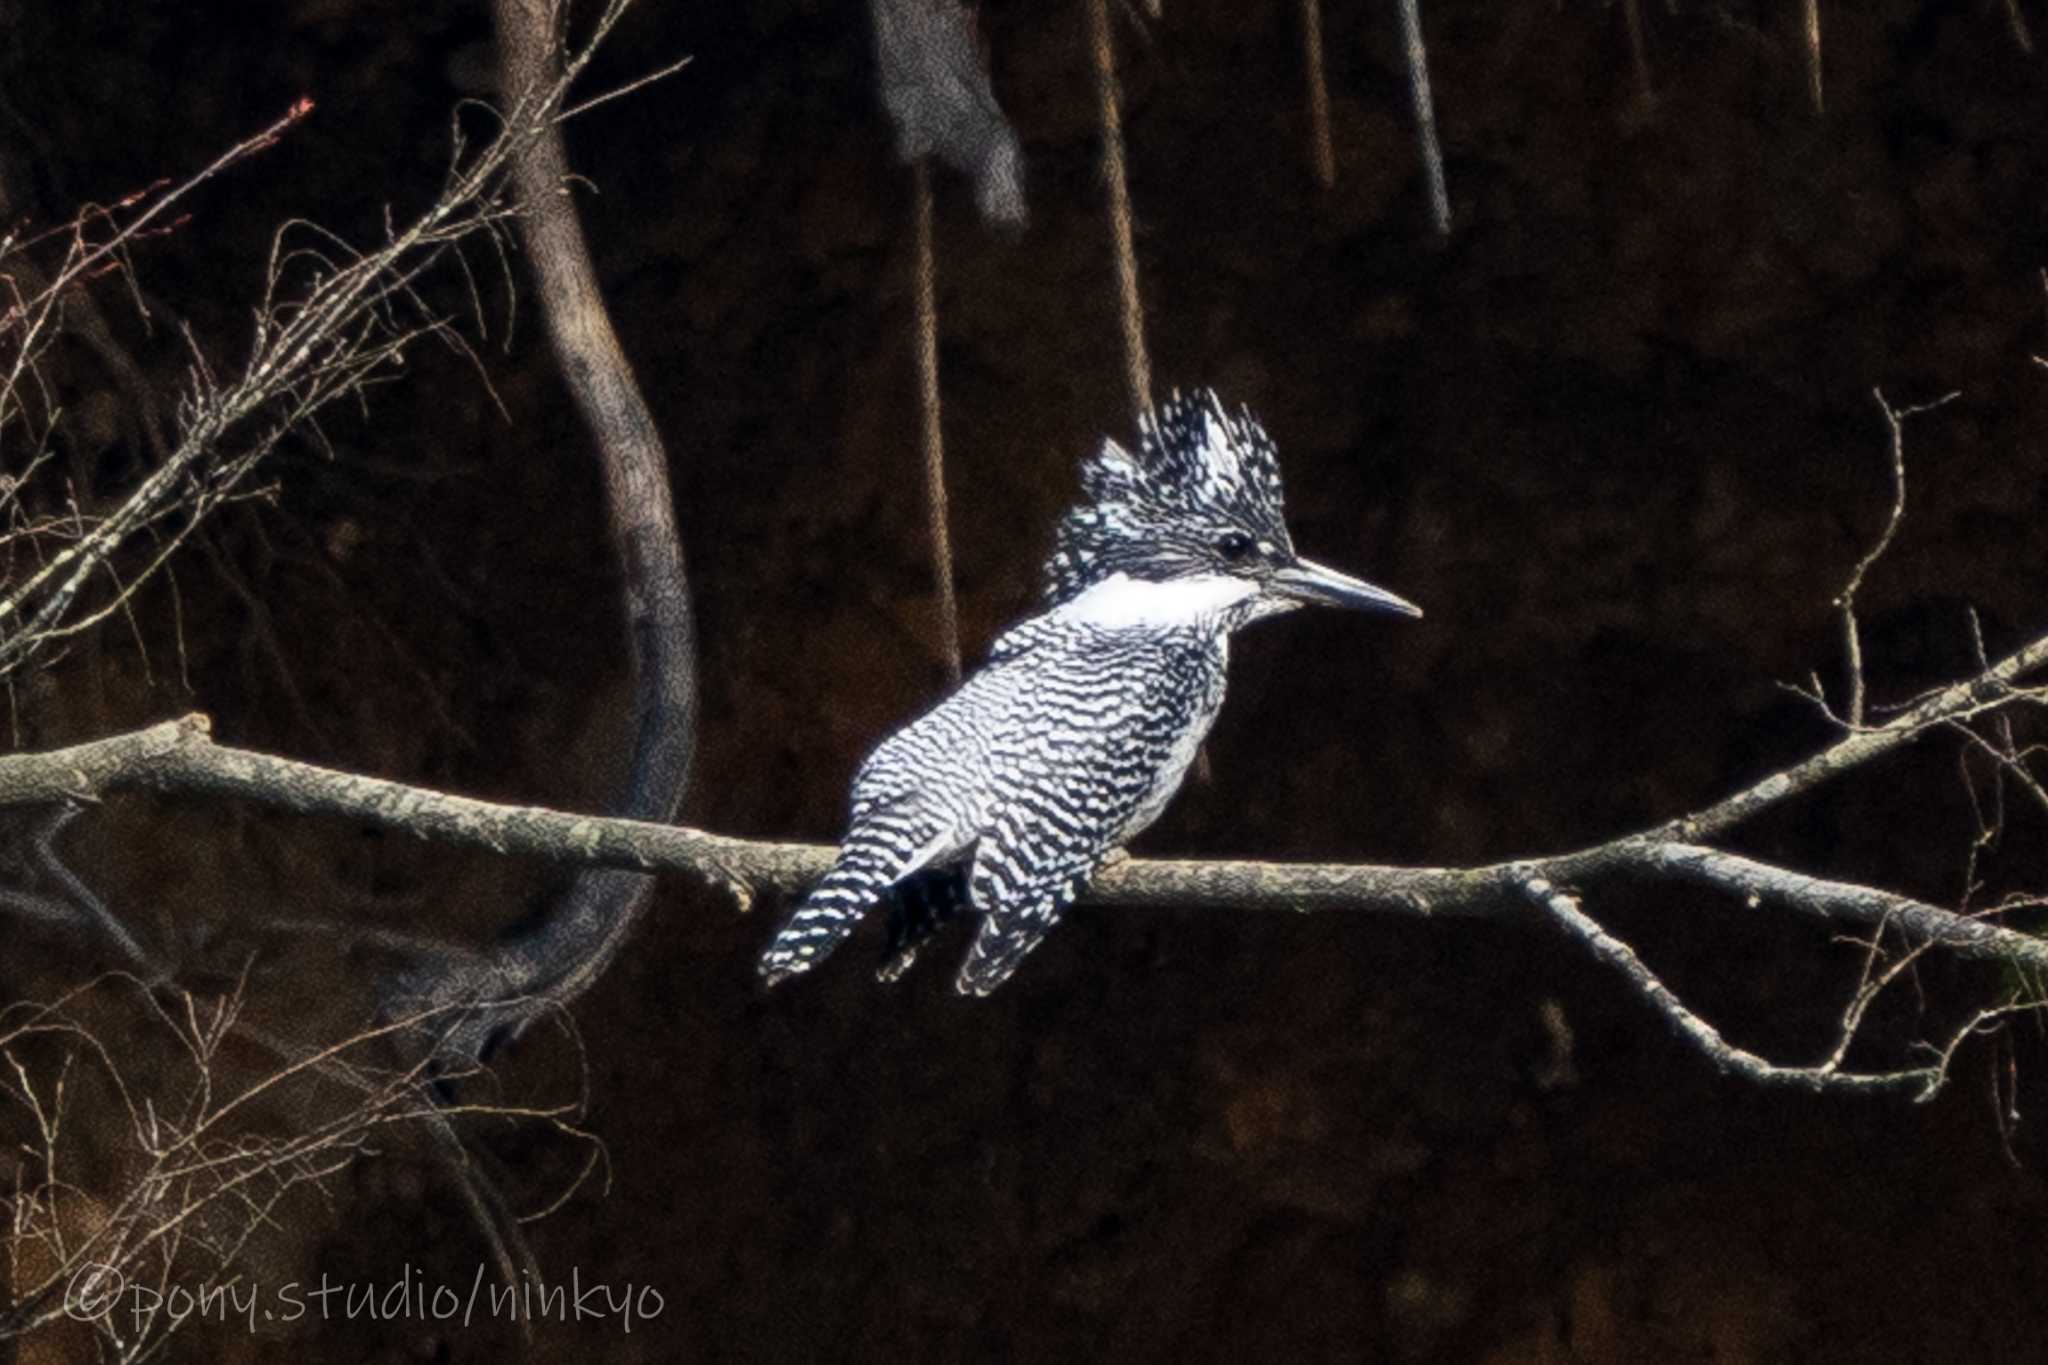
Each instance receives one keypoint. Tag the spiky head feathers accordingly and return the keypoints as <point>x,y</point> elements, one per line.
<point>1201,494</point>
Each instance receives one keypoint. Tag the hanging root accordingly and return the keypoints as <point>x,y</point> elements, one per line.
<point>1137,367</point>
<point>1322,154</point>
<point>2017,23</point>
<point>1813,86</point>
<point>1425,115</point>
<point>934,439</point>
<point>1639,54</point>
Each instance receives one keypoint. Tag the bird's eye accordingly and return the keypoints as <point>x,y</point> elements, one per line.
<point>1235,546</point>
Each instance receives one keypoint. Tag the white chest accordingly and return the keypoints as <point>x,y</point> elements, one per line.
<point>1181,756</point>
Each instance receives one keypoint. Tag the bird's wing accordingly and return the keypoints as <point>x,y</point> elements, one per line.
<point>1072,797</point>
<point>1029,899</point>
<point>1061,747</point>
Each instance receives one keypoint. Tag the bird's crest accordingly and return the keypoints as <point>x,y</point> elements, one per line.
<point>1197,468</point>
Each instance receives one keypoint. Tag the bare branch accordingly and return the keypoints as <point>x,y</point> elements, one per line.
<point>179,756</point>
<point>203,1163</point>
<point>1564,908</point>
<point>1845,601</point>
<point>1846,902</point>
<point>333,321</point>
<point>1984,691</point>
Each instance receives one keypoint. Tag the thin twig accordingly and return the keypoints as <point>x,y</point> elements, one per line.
<point>202,1170</point>
<point>333,321</point>
<point>1845,601</point>
<point>660,74</point>
<point>1565,909</point>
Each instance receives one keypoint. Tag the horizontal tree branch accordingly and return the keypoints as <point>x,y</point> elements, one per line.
<point>179,756</point>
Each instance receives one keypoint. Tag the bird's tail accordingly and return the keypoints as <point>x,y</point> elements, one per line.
<point>858,880</point>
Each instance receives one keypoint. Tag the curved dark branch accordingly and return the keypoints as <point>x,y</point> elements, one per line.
<point>557,956</point>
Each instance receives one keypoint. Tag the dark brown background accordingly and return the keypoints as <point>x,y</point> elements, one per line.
<point>1617,435</point>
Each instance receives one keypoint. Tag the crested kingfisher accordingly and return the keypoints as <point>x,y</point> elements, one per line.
<point>1004,799</point>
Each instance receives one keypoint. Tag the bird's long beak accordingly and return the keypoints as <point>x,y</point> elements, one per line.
<point>1318,585</point>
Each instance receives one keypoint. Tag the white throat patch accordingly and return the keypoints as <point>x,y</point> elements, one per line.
<point>1121,601</point>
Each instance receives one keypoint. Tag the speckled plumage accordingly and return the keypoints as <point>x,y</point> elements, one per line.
<point>1066,744</point>
<point>1005,798</point>
<point>1198,471</point>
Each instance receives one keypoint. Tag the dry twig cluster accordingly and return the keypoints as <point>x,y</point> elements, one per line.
<point>110,1223</point>
<point>332,320</point>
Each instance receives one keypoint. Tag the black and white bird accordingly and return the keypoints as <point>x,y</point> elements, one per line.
<point>1004,799</point>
